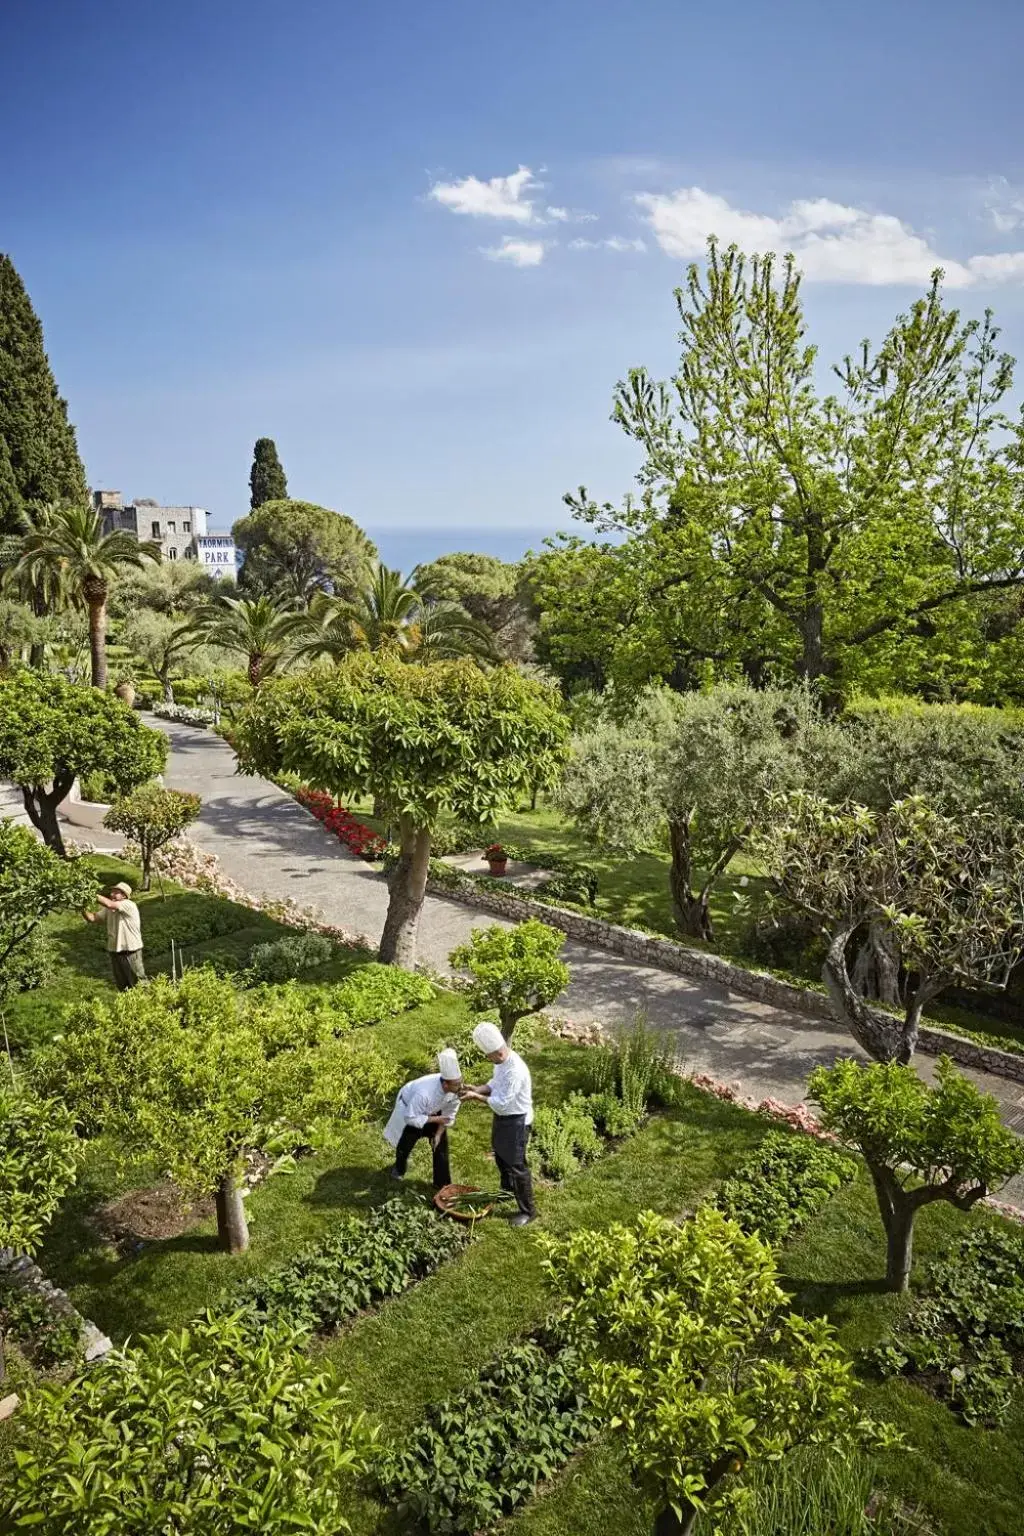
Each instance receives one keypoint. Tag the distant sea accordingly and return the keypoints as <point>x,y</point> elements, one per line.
<point>403,548</point>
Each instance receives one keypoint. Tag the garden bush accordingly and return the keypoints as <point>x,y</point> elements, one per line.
<point>374,992</point>
<point>787,1180</point>
<point>964,1337</point>
<point>513,972</point>
<point>189,917</point>
<point>566,1137</point>
<point>477,1457</point>
<point>45,1338</point>
<point>207,1429</point>
<point>366,1259</point>
<point>638,1067</point>
<point>284,959</point>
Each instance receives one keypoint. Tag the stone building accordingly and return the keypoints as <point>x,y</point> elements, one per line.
<point>176,530</point>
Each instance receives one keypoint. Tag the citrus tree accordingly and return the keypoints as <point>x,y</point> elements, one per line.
<point>921,1144</point>
<point>943,896</point>
<point>514,971</point>
<point>446,740</point>
<point>53,731</point>
<point>37,1168</point>
<point>33,883</point>
<point>694,1360</point>
<point>152,817</point>
<point>185,1075</point>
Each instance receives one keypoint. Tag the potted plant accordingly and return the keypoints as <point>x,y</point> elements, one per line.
<point>497,858</point>
<point>125,689</point>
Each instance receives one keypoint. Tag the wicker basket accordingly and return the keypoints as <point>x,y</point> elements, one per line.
<point>444,1197</point>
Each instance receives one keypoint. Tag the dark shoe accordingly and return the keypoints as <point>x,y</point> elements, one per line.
<point>393,1173</point>
<point>521,1220</point>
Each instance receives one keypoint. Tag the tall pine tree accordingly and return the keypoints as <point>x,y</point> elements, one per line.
<point>38,453</point>
<point>266,478</point>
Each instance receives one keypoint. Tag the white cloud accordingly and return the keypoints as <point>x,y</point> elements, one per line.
<point>503,197</point>
<point>833,243</point>
<point>560,215</point>
<point>613,243</point>
<point>521,253</point>
<point>1004,204</point>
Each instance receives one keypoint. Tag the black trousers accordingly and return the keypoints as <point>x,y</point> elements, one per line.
<point>510,1136</point>
<point>408,1139</point>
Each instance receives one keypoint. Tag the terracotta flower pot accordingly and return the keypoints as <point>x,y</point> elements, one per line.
<point>126,693</point>
<point>497,866</point>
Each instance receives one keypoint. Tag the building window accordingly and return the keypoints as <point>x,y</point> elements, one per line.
<point>172,527</point>
<point>156,530</point>
<point>172,554</point>
<point>186,527</point>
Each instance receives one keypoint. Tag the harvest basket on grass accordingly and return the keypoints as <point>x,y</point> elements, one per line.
<point>465,1202</point>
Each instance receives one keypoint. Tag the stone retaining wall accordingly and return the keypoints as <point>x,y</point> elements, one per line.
<point>666,955</point>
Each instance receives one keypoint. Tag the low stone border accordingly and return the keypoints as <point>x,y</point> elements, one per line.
<point>666,955</point>
<point>17,1270</point>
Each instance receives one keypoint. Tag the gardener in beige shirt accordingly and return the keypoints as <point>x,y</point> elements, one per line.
<point>124,935</point>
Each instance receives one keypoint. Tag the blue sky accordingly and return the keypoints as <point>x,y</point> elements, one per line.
<point>310,221</point>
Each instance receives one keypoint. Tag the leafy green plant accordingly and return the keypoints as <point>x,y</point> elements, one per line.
<point>788,1179</point>
<point>638,1067</point>
<point>374,992</point>
<point>921,1144</point>
<point>208,1428</point>
<point>513,971</point>
<point>366,1259</point>
<point>38,1163</point>
<point>26,1317</point>
<point>151,816</point>
<point>284,959</point>
<point>816,1493</point>
<point>566,1137</point>
<point>479,1456</point>
<point>34,881</point>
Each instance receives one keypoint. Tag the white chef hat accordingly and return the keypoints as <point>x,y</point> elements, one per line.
<point>448,1065</point>
<point>487,1037</point>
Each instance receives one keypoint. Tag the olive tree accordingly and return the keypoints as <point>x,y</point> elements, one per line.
<point>944,896</point>
<point>921,1144</point>
<point>701,768</point>
<point>694,1361</point>
<point>33,883</point>
<point>152,817</point>
<point>37,1168</point>
<point>515,971</point>
<point>440,741</point>
<point>184,1075</point>
<point>53,731</point>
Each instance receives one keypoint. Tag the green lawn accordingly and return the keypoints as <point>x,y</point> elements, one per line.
<point>433,1340</point>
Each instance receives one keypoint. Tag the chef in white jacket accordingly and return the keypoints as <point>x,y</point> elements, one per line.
<point>426,1107</point>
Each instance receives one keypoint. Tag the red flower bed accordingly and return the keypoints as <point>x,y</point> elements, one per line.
<point>362,839</point>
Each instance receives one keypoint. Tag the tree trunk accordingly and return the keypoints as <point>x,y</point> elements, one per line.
<point>255,672</point>
<point>98,635</point>
<point>899,1246</point>
<point>41,807</point>
<point>146,855</point>
<point>232,1227</point>
<point>668,1523</point>
<point>876,970</point>
<point>3,1362</point>
<point>408,886</point>
<point>533,798</point>
<point>690,910</point>
<point>883,1037</point>
<point>168,688</point>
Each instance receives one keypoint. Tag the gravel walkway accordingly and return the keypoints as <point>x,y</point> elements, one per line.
<point>266,842</point>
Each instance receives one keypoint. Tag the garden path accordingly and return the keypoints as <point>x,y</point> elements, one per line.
<point>270,845</point>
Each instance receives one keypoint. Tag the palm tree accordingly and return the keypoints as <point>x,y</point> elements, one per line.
<point>392,613</point>
<point>259,629</point>
<point>41,586</point>
<point>68,549</point>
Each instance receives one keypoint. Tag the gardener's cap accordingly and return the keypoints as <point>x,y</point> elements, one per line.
<point>123,887</point>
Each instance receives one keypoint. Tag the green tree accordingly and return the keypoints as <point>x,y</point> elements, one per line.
<point>38,1166</point>
<point>695,1363</point>
<point>162,645</point>
<point>39,459</point>
<point>292,549</point>
<point>700,766</point>
<point>389,613</point>
<point>489,590</point>
<point>53,731</point>
<point>184,1075</point>
<point>794,535</point>
<point>73,549</point>
<point>263,631</point>
<point>152,817</point>
<point>214,1427</point>
<point>516,971</point>
<point>940,895</point>
<point>921,1144</point>
<point>33,883</point>
<point>432,742</point>
<point>266,478</point>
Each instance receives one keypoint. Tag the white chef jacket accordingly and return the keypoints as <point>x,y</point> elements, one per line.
<point>416,1102</point>
<point>511,1088</point>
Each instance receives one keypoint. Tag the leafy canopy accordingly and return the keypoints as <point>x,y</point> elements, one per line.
<point>266,478</point>
<point>514,970</point>
<point>52,731</point>
<point>34,882</point>
<point>445,739</point>
<point>37,1165</point>
<point>294,548</point>
<point>694,1360</point>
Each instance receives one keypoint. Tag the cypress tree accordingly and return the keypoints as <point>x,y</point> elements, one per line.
<point>266,478</point>
<point>38,453</point>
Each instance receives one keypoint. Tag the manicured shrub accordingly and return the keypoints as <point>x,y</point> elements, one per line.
<point>37,1165</point>
<point>207,1429</point>
<point>284,959</point>
<point>787,1180</point>
<point>34,882</point>
<point>375,992</point>
<point>477,1457</point>
<point>365,1260</point>
<point>151,817</point>
<point>513,971</point>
